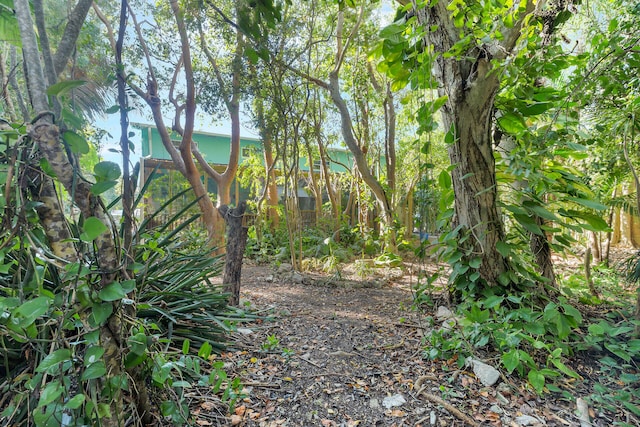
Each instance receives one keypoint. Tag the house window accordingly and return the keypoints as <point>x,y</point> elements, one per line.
<point>317,165</point>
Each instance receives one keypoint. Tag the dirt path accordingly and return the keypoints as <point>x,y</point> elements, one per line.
<point>349,353</point>
<point>349,356</point>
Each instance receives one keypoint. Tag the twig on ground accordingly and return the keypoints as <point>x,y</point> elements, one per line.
<point>439,401</point>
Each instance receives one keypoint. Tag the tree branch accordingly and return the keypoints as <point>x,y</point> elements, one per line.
<point>71,32</point>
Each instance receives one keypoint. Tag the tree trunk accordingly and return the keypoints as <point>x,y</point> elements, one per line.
<point>470,84</point>
<point>46,136</point>
<point>474,182</point>
<point>541,250</point>
<point>236,243</point>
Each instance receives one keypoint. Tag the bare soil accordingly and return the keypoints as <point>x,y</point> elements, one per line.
<point>338,351</point>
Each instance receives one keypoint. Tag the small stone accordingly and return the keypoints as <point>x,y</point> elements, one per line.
<point>244,331</point>
<point>297,277</point>
<point>496,409</point>
<point>444,313</point>
<point>527,420</point>
<point>500,398</point>
<point>269,278</point>
<point>393,401</point>
<point>285,268</point>
<point>488,375</point>
<point>374,404</point>
<point>432,418</point>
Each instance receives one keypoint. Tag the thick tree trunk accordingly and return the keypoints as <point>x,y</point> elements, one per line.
<point>470,84</point>
<point>474,183</point>
<point>236,243</point>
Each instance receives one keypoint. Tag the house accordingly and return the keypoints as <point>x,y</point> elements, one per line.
<point>216,149</point>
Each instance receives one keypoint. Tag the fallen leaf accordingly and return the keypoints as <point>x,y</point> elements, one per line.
<point>235,420</point>
<point>240,410</point>
<point>396,413</point>
<point>204,423</point>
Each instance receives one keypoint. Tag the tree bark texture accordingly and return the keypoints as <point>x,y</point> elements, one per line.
<point>539,245</point>
<point>236,243</point>
<point>470,84</point>
<point>46,136</point>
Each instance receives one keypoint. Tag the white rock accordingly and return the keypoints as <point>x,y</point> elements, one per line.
<point>374,404</point>
<point>269,278</point>
<point>432,418</point>
<point>488,375</point>
<point>244,331</point>
<point>527,420</point>
<point>392,401</point>
<point>443,313</point>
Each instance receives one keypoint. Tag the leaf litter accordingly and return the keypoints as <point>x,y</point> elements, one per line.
<point>329,355</point>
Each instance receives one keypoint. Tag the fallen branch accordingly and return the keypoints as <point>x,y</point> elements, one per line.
<point>440,401</point>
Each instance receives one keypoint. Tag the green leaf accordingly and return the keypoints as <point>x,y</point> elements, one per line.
<point>106,171</point>
<point>138,343</point>
<point>503,248</point>
<point>596,329</point>
<point>62,88</point>
<point>75,402</point>
<point>101,312</point>
<point>183,384</point>
<point>96,370</point>
<point>9,30</point>
<point>93,228</point>
<point>112,292</point>
<point>51,392</point>
<point>529,224</point>
<point>536,379</point>
<point>493,301</point>
<point>77,144</point>
<point>132,359</point>
<point>475,263</point>
<point>536,108</point>
<point>102,186</point>
<point>205,350</point>
<point>444,179</point>
<point>450,137</point>
<point>113,109</point>
<point>591,204</point>
<point>512,123</point>
<point>128,285</point>
<point>32,309</point>
<point>511,360</point>
<point>565,369</point>
<point>53,360</point>
<point>92,355</point>
<point>185,346</point>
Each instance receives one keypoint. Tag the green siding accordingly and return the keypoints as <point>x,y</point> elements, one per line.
<point>216,148</point>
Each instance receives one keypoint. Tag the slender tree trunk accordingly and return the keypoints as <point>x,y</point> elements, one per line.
<point>4,80</point>
<point>236,243</point>
<point>315,186</point>
<point>541,250</point>
<point>269,165</point>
